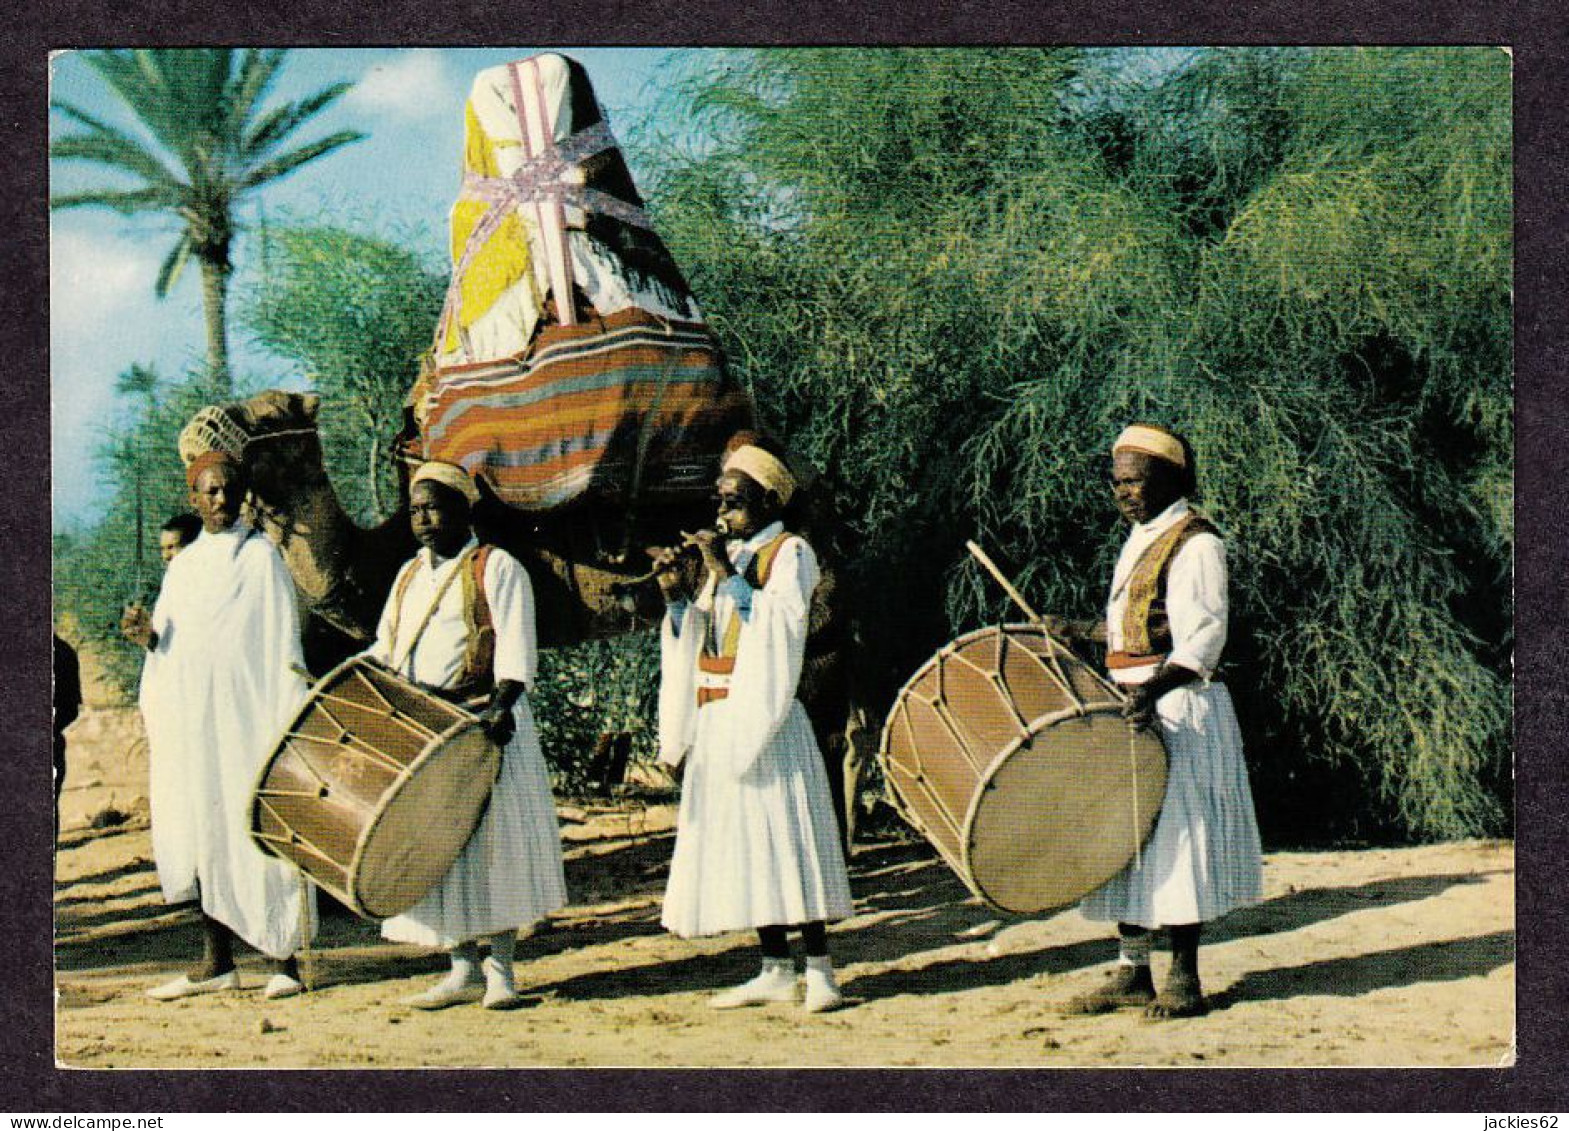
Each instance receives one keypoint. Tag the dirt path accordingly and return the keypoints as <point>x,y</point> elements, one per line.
<point>1397,957</point>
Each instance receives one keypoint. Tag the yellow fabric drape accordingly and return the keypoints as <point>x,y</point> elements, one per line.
<point>504,258</point>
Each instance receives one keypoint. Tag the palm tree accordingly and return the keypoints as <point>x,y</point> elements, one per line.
<point>207,145</point>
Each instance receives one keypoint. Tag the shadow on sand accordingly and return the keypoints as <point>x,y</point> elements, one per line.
<point>1447,961</point>
<point>908,903</point>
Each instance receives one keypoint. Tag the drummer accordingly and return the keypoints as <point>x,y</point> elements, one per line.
<point>1164,630</point>
<point>757,839</point>
<point>460,619</point>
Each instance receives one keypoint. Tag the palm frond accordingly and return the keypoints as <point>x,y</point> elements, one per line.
<point>173,265</point>
<point>281,166</point>
<point>284,120</point>
<point>253,78</point>
<point>116,151</point>
<point>82,117</point>
<point>128,202</point>
<point>137,78</point>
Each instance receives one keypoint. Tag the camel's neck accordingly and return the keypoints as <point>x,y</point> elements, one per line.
<point>317,539</point>
<point>314,535</point>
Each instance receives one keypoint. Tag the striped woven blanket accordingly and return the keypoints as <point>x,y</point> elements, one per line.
<point>627,407</point>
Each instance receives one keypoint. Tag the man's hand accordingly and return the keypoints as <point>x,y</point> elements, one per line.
<point>667,560</point>
<point>1073,631</point>
<point>1062,628</point>
<point>136,625</point>
<point>1142,698</point>
<point>1140,707</point>
<point>710,543</point>
<point>496,719</point>
<point>498,724</point>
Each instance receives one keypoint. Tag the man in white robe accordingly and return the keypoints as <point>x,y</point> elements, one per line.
<point>221,682</point>
<point>445,604</point>
<point>1165,627</point>
<point>757,841</point>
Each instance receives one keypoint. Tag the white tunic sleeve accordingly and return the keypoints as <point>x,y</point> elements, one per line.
<point>511,597</point>
<point>1197,604</point>
<point>381,648</point>
<point>276,634</point>
<point>770,653</point>
<point>159,678</point>
<point>678,649</point>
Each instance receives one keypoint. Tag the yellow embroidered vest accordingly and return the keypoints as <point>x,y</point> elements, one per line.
<point>1146,626</point>
<point>722,662</point>
<point>477,675</point>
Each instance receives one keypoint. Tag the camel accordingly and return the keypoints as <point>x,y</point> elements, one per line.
<point>579,561</point>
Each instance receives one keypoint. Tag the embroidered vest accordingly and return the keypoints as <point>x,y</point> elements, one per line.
<point>1146,627</point>
<point>476,676</point>
<point>722,662</point>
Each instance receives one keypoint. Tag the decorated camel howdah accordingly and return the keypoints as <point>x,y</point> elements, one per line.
<point>571,359</point>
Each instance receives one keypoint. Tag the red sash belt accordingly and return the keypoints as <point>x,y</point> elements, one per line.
<point>713,665</point>
<point>1116,661</point>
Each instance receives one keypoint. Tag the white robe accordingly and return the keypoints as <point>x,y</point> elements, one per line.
<point>757,842</point>
<point>509,874</point>
<point>216,694</point>
<point>1203,859</point>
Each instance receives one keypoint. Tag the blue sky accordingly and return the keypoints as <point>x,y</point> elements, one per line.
<point>402,178</point>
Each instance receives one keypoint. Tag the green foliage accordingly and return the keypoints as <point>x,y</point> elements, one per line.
<point>354,311</point>
<point>597,688</point>
<point>203,144</point>
<point>97,571</point>
<point>951,276</point>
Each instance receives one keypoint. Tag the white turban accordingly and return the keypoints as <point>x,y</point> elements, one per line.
<point>1155,442</point>
<point>448,475</point>
<point>772,474</point>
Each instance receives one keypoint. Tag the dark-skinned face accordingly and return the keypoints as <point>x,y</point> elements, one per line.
<point>216,498</point>
<point>170,543</point>
<point>439,517</point>
<point>744,507</point>
<point>1142,485</point>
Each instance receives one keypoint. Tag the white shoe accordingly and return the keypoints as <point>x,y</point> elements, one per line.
<point>184,987</point>
<point>281,986</point>
<point>500,993</point>
<point>775,983</point>
<point>448,991</point>
<point>822,992</point>
<point>503,997</point>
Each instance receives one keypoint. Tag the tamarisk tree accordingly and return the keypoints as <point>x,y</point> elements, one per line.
<point>951,276</point>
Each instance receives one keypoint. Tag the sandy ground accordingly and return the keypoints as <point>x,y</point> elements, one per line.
<point>1396,957</point>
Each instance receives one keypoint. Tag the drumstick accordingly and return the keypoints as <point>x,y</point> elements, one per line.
<point>1018,599</point>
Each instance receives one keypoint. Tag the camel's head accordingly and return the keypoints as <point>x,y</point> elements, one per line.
<point>283,453</point>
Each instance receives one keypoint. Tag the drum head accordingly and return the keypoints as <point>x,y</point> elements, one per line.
<point>424,823</point>
<point>1063,810</point>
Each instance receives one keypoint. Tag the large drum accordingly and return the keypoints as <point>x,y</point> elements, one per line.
<point>1010,755</point>
<point>375,788</point>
